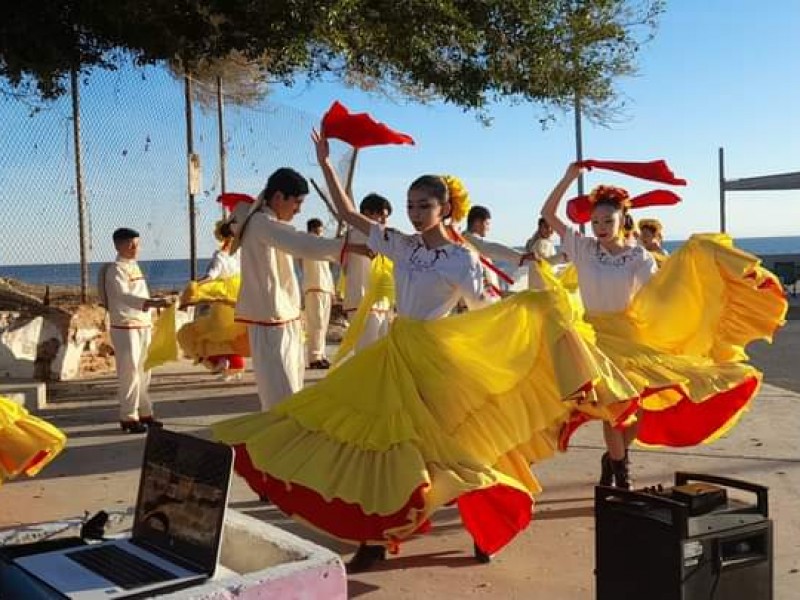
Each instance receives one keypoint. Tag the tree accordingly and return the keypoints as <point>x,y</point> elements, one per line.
<point>467,52</point>
<point>245,82</point>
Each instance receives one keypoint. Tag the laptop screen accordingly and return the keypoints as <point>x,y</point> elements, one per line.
<point>183,493</point>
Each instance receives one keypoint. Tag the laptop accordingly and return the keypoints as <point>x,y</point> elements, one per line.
<point>177,528</point>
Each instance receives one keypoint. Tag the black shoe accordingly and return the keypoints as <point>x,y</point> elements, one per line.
<point>132,427</point>
<point>622,474</point>
<point>481,556</point>
<point>320,364</point>
<point>150,422</point>
<point>264,498</point>
<point>606,472</point>
<point>366,556</point>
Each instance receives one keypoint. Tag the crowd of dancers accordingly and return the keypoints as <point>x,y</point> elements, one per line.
<point>412,414</point>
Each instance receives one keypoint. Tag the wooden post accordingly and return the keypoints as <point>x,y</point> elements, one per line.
<point>223,154</point>
<point>722,191</point>
<point>189,155</point>
<point>76,135</point>
<point>348,188</point>
<point>579,148</point>
<point>326,200</point>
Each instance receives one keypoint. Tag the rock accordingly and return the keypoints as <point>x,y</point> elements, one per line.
<point>19,343</point>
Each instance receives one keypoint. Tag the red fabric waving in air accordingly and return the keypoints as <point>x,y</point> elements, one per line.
<point>230,200</point>
<point>656,170</point>
<point>579,209</point>
<point>359,129</point>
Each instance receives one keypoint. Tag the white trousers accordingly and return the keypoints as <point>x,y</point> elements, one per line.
<point>277,358</point>
<point>376,326</point>
<point>318,315</point>
<point>130,351</point>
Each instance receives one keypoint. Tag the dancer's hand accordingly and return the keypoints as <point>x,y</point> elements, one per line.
<point>321,145</point>
<point>573,171</point>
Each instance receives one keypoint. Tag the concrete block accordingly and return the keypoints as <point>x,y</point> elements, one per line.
<point>263,561</point>
<point>259,561</point>
<point>19,342</point>
<point>30,394</point>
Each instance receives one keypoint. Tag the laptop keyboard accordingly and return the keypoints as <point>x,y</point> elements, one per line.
<point>120,567</point>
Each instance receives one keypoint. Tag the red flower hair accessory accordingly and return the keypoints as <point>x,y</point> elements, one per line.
<point>610,193</point>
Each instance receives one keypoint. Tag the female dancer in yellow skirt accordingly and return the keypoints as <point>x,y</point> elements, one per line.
<point>441,411</point>
<point>27,443</point>
<point>213,338</point>
<point>677,333</point>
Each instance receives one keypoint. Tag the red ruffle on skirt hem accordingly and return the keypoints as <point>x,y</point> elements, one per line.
<point>686,423</point>
<point>336,517</point>
<point>690,423</point>
<point>493,516</point>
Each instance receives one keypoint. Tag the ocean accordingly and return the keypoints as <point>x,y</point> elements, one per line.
<point>172,275</point>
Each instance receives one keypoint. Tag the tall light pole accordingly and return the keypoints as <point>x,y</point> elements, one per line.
<point>579,147</point>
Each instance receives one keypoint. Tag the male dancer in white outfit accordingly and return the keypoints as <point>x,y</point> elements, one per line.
<point>269,297</point>
<point>542,247</point>
<point>123,290</point>
<point>357,270</point>
<point>478,222</point>
<point>318,291</point>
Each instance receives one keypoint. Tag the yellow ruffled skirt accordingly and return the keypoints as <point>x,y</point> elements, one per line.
<point>27,443</point>
<point>438,412</point>
<point>681,341</point>
<point>215,333</point>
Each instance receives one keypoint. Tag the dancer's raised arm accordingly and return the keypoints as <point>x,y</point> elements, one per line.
<point>345,206</point>
<point>550,208</point>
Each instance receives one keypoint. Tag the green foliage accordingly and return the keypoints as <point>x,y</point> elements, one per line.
<point>467,52</point>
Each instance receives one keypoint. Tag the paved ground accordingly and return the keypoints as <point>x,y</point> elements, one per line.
<point>553,559</point>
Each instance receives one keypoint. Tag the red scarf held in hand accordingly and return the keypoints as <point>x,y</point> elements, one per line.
<point>656,170</point>
<point>359,129</point>
<point>579,209</point>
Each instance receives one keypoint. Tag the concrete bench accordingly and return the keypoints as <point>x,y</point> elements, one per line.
<point>30,394</point>
<point>258,560</point>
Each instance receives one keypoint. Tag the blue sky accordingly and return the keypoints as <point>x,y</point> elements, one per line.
<point>718,73</point>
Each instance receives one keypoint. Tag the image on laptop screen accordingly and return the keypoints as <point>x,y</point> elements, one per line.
<point>182,496</point>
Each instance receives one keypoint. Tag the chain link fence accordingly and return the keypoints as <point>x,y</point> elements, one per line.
<point>134,162</point>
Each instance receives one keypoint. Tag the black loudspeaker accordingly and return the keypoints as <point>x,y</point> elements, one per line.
<point>688,542</point>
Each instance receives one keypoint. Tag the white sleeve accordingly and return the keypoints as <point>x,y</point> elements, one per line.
<point>645,270</point>
<point>575,246</point>
<point>386,241</point>
<point>473,285</point>
<point>495,251</point>
<point>300,245</point>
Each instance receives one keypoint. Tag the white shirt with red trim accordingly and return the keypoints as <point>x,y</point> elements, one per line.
<point>126,291</point>
<point>607,281</point>
<point>430,282</point>
<point>270,292</point>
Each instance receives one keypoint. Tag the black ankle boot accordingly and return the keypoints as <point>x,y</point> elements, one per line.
<point>366,556</point>
<point>606,472</point>
<point>481,556</point>
<point>622,475</point>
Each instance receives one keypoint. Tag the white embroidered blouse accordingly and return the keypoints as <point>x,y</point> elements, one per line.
<point>607,281</point>
<point>429,282</point>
